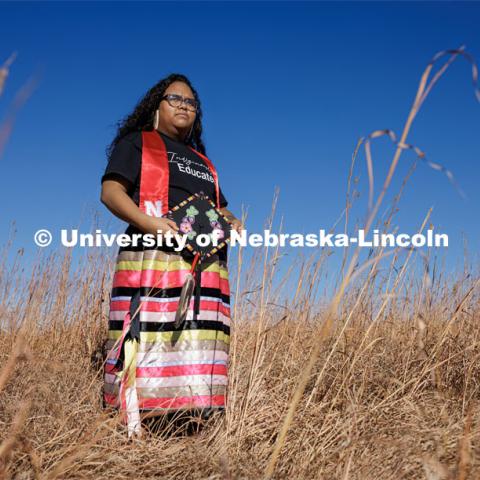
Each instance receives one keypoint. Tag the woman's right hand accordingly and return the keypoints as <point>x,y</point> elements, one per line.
<point>164,225</point>
<point>115,197</point>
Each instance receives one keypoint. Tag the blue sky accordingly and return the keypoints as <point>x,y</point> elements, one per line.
<point>287,90</point>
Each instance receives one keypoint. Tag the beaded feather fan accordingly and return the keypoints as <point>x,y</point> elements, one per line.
<point>194,216</point>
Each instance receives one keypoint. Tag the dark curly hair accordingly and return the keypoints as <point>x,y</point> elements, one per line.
<point>142,116</point>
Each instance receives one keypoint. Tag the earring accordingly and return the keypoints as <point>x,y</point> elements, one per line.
<point>156,119</point>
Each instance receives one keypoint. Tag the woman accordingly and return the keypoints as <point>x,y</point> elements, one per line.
<point>157,160</point>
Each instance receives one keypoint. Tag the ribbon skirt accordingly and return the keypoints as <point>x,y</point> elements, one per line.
<point>151,366</point>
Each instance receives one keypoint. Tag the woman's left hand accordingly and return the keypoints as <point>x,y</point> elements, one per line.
<point>237,225</point>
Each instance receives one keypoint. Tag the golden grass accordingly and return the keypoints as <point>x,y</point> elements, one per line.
<point>379,383</point>
<point>390,399</point>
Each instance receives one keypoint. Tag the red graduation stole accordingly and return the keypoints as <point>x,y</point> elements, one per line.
<point>154,175</point>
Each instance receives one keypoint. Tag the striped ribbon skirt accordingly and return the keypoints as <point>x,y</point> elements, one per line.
<point>152,367</point>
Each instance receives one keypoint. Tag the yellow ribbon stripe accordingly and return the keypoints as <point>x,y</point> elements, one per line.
<point>152,337</point>
<point>131,347</point>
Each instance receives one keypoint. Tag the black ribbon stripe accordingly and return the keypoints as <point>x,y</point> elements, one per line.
<point>170,327</point>
<point>168,293</point>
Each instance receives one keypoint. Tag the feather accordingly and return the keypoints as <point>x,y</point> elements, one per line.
<point>184,301</point>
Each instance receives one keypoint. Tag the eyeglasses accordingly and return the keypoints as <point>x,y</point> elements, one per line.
<point>175,101</point>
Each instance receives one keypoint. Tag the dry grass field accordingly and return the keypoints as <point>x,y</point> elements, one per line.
<point>380,382</point>
<point>390,397</point>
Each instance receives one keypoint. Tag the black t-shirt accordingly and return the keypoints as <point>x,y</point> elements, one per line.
<point>188,172</point>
